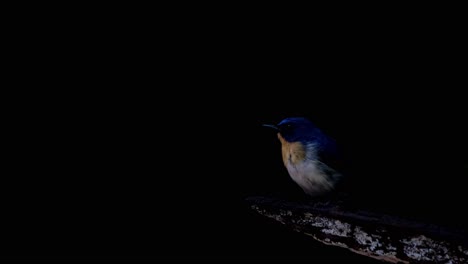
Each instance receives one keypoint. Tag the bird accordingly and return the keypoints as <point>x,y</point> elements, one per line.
<point>312,158</point>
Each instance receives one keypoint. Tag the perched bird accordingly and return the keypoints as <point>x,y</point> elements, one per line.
<point>310,157</point>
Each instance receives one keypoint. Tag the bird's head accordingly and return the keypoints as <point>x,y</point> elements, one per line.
<point>294,129</point>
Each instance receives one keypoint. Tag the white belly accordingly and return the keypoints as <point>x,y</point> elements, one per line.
<point>309,177</point>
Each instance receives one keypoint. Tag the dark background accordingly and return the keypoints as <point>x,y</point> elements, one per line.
<point>142,142</point>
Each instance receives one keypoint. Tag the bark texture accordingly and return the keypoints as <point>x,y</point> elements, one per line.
<point>384,237</point>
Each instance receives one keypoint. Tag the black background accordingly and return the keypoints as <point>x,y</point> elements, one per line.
<point>142,140</point>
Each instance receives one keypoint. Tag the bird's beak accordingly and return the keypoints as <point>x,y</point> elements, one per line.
<point>271,126</point>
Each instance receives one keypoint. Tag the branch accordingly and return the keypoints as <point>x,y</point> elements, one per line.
<point>379,236</point>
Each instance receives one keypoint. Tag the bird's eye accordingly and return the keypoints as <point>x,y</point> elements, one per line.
<point>287,127</point>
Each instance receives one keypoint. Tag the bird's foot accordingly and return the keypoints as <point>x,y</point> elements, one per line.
<point>332,200</point>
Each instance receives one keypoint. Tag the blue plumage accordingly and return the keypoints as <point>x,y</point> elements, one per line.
<point>303,130</point>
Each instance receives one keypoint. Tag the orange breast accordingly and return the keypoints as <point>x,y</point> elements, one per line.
<point>293,152</point>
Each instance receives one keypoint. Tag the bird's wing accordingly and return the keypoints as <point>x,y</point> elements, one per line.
<point>330,155</point>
